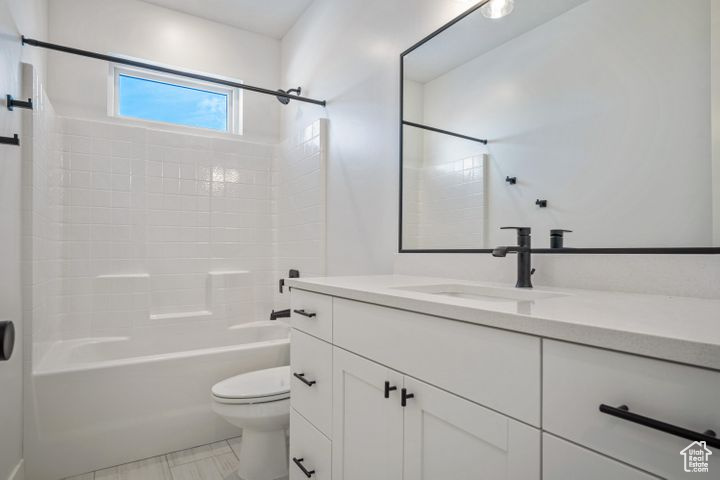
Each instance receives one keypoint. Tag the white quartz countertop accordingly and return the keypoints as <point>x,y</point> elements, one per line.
<point>680,329</point>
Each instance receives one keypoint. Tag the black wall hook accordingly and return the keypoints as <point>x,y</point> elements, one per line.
<point>12,103</point>
<point>511,180</point>
<point>541,203</point>
<point>14,140</point>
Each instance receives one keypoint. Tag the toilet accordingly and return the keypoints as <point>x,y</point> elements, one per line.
<point>259,403</point>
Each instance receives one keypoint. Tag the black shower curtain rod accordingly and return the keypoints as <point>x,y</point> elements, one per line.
<point>148,66</point>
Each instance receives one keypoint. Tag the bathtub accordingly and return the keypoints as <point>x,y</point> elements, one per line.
<point>101,402</point>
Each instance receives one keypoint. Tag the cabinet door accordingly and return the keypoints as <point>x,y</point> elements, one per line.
<point>448,437</point>
<point>565,461</point>
<point>367,427</point>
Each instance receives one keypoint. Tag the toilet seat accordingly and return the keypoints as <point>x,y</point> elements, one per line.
<point>261,386</point>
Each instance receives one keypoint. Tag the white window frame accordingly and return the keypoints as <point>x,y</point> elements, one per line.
<point>234,95</point>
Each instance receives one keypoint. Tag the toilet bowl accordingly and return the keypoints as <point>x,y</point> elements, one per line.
<point>259,403</point>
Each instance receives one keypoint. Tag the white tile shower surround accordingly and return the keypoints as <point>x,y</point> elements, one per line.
<point>149,216</point>
<point>151,228</point>
<point>41,213</point>
<point>217,461</point>
<point>299,207</point>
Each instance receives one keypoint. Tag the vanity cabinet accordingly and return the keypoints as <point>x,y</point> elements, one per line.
<point>495,368</point>
<point>435,435</point>
<point>310,450</point>
<point>367,419</point>
<point>479,402</point>
<point>578,380</point>
<point>564,461</point>
<point>446,436</point>
<point>311,381</point>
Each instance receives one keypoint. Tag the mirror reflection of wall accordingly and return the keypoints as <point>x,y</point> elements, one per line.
<point>445,191</point>
<point>601,107</point>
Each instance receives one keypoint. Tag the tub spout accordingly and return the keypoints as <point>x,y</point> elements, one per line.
<point>274,315</point>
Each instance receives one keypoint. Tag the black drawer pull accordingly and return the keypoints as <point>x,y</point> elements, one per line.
<point>404,397</point>
<point>623,411</point>
<point>301,377</point>
<point>389,389</point>
<point>305,314</point>
<point>298,462</point>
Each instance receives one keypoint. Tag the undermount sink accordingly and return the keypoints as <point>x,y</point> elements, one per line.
<point>483,293</point>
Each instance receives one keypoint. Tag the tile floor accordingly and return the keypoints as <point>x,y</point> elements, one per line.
<point>218,461</point>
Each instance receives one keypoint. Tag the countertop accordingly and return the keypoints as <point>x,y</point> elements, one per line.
<point>679,329</point>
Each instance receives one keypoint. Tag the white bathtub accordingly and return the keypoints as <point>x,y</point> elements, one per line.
<point>101,402</point>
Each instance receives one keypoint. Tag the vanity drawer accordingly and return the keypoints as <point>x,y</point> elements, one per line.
<point>565,461</point>
<point>492,367</point>
<point>578,379</point>
<point>309,450</point>
<point>316,312</point>
<point>311,381</point>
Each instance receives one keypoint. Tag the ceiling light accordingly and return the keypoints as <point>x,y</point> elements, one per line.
<point>495,9</point>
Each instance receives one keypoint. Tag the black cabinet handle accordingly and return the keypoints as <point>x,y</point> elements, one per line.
<point>305,314</point>
<point>301,377</point>
<point>389,389</point>
<point>709,437</point>
<point>7,340</point>
<point>404,397</point>
<point>298,462</point>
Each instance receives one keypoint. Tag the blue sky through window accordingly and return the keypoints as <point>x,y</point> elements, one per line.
<point>165,102</point>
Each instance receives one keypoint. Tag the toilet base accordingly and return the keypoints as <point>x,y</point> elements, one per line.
<point>263,455</point>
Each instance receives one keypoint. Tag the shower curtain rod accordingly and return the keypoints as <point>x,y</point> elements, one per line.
<point>148,66</point>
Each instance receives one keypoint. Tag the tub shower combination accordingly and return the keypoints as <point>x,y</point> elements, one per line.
<point>100,402</point>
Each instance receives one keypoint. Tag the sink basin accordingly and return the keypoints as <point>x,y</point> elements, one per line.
<point>483,293</point>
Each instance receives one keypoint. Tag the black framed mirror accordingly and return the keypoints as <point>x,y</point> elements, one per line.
<point>597,117</point>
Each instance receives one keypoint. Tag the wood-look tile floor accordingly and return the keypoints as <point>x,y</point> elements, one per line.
<point>217,461</point>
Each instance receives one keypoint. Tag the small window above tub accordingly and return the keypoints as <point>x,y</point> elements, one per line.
<point>162,98</point>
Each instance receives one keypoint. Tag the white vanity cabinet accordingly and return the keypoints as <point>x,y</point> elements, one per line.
<point>565,461</point>
<point>391,394</point>
<point>367,419</point>
<point>577,380</point>
<point>446,436</point>
<point>433,434</point>
<point>443,370</point>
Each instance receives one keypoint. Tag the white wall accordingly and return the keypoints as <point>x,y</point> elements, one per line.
<point>15,16</point>
<point>10,305</point>
<point>348,53</point>
<point>603,111</point>
<point>138,29</point>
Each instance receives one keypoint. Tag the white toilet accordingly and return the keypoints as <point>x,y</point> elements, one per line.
<point>259,403</point>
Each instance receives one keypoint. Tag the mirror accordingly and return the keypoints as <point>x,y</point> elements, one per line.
<point>594,116</point>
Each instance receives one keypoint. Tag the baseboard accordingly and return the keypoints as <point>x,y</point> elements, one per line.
<point>19,472</point>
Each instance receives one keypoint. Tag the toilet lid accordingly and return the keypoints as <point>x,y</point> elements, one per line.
<point>269,385</point>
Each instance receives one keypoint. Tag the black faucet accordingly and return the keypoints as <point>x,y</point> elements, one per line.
<point>524,267</point>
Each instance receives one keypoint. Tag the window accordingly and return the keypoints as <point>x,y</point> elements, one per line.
<point>156,97</point>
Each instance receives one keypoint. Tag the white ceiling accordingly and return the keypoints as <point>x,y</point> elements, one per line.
<point>476,35</point>
<point>267,17</point>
